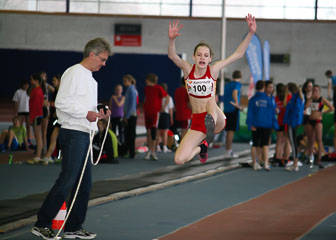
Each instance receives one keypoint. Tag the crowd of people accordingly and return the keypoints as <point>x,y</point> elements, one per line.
<point>64,118</point>
<point>192,114</point>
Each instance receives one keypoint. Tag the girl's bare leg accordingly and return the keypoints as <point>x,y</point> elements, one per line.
<point>189,147</point>
<point>38,137</point>
<point>318,135</point>
<point>53,141</point>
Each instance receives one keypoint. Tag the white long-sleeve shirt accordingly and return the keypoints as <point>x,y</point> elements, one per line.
<point>76,96</point>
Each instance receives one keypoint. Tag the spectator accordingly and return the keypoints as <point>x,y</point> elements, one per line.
<point>154,94</point>
<point>231,111</point>
<point>116,105</point>
<point>165,121</point>
<point>314,129</point>
<point>47,88</point>
<point>107,152</point>
<point>21,104</point>
<point>307,90</point>
<point>54,126</point>
<point>36,114</point>
<point>282,149</point>
<point>15,138</point>
<point>130,114</point>
<point>332,85</point>
<point>293,118</point>
<point>182,108</point>
<point>76,107</point>
<point>261,120</point>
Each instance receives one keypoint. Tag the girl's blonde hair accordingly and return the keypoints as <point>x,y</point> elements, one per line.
<point>204,44</point>
<point>130,78</point>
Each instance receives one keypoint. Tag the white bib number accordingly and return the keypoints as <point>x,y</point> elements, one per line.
<point>200,88</point>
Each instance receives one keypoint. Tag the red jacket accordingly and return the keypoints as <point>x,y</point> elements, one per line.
<point>36,103</point>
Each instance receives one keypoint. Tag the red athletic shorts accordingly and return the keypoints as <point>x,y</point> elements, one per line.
<point>151,120</point>
<point>197,122</point>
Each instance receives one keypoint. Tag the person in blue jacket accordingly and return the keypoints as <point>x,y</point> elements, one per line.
<point>231,110</point>
<point>130,114</point>
<point>260,120</point>
<point>332,87</point>
<point>293,118</point>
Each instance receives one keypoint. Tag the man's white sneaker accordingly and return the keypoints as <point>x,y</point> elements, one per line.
<point>80,234</point>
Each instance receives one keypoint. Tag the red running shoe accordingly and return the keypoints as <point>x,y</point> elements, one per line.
<point>204,151</point>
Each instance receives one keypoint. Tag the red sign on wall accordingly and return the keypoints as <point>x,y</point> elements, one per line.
<point>127,35</point>
<point>127,40</point>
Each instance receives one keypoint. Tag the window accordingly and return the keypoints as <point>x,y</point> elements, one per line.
<point>275,9</point>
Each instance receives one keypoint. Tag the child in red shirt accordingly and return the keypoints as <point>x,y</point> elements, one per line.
<point>182,108</point>
<point>36,114</point>
<point>152,107</point>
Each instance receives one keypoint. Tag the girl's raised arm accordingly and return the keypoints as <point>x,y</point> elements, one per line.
<point>173,32</point>
<point>241,49</point>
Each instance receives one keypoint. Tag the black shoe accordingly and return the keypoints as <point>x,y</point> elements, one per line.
<point>45,233</point>
<point>80,234</point>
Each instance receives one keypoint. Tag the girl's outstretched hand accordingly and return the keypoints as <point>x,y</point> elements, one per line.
<point>173,29</point>
<point>252,24</point>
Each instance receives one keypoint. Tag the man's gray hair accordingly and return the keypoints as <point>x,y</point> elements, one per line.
<point>97,46</point>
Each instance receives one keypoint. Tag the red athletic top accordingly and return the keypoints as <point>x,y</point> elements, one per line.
<point>203,87</point>
<point>153,98</point>
<point>181,104</point>
<point>36,103</point>
<point>282,109</point>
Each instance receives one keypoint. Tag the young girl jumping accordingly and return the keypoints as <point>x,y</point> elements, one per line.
<point>207,117</point>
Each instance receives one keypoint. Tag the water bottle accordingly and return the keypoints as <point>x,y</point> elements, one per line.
<point>10,159</point>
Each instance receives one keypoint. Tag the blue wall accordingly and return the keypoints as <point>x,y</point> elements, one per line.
<point>20,64</point>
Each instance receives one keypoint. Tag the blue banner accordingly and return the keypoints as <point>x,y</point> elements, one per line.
<point>254,58</point>
<point>267,57</point>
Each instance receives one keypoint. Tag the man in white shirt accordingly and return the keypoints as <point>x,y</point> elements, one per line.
<point>76,105</point>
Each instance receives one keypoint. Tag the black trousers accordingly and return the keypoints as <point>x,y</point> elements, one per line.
<point>130,135</point>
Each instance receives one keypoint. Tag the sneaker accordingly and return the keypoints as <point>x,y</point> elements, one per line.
<point>289,164</point>
<point>267,168</point>
<point>80,234</point>
<point>49,160</point>
<point>158,149</point>
<point>311,161</point>
<point>45,233</point>
<point>44,161</point>
<point>148,155</point>
<point>292,168</point>
<point>204,155</point>
<point>257,167</point>
<point>154,157</point>
<point>210,128</point>
<point>37,160</point>
<point>320,166</point>
<point>166,150</point>
<point>230,154</point>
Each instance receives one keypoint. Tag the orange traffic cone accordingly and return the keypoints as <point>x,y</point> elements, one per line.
<point>60,217</point>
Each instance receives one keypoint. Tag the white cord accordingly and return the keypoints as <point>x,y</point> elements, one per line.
<point>83,170</point>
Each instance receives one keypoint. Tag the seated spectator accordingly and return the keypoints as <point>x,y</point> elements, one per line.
<point>21,103</point>
<point>108,150</point>
<point>15,138</point>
